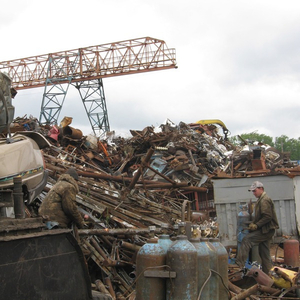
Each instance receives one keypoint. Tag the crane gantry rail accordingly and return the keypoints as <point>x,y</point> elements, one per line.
<point>84,68</point>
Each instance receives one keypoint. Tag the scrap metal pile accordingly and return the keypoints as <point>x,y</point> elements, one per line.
<point>154,178</point>
<point>189,153</point>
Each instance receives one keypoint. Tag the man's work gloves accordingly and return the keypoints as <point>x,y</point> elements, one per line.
<point>252,227</point>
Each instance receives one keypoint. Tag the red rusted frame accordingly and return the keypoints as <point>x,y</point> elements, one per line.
<point>107,60</point>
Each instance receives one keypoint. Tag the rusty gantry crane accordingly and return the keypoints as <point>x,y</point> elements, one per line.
<point>84,68</point>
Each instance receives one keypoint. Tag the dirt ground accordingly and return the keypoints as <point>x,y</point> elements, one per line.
<point>278,251</point>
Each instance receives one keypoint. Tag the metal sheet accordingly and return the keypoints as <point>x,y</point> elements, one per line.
<point>231,193</point>
<point>297,199</point>
<point>43,267</point>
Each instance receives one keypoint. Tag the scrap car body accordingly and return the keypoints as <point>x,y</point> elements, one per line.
<point>20,154</point>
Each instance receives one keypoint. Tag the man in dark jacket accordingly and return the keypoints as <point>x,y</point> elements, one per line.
<point>261,230</point>
<point>59,204</point>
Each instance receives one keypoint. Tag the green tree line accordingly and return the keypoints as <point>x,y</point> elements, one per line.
<point>282,143</point>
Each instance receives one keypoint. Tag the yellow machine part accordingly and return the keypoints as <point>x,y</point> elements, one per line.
<point>280,281</point>
<point>66,121</point>
<point>213,121</point>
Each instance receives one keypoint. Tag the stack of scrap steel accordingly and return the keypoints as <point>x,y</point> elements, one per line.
<point>191,153</point>
<point>154,178</point>
<point>185,153</point>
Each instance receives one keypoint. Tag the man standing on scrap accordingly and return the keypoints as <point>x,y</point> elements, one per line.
<point>261,230</point>
<point>59,206</point>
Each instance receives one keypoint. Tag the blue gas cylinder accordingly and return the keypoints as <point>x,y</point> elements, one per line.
<point>149,256</point>
<point>213,282</point>
<point>243,219</point>
<point>222,268</point>
<point>164,239</point>
<point>165,242</point>
<point>203,267</point>
<point>182,258</point>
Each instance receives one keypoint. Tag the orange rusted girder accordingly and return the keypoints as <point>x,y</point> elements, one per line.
<point>107,60</point>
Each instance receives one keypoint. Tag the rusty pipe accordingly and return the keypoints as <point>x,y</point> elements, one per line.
<point>191,188</point>
<point>72,132</point>
<point>110,287</point>
<point>120,296</point>
<point>101,287</point>
<point>149,183</point>
<point>131,297</point>
<point>269,290</point>
<point>162,175</point>
<point>107,260</point>
<point>95,175</point>
<point>232,287</point>
<point>138,173</point>
<point>192,158</point>
<point>246,293</point>
<point>132,275</point>
<point>163,185</point>
<point>181,185</point>
<point>283,275</point>
<point>57,160</point>
<point>183,210</point>
<point>114,263</point>
<point>116,231</point>
<point>129,246</point>
<point>260,277</point>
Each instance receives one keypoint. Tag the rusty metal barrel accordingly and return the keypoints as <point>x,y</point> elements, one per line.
<point>182,258</point>
<point>213,283</point>
<point>202,268</point>
<point>291,253</point>
<point>72,132</point>
<point>150,256</point>
<point>222,267</point>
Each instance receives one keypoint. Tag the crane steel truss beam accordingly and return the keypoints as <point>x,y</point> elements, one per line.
<point>107,60</point>
<point>93,98</point>
<point>55,91</point>
<point>89,64</point>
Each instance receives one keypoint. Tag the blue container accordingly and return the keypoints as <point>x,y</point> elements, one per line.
<point>202,268</point>
<point>149,256</point>
<point>182,258</point>
<point>222,268</point>
<point>213,283</point>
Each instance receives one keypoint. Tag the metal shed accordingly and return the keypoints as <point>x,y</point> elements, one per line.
<point>229,194</point>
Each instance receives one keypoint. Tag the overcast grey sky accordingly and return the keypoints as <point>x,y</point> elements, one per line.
<point>238,61</point>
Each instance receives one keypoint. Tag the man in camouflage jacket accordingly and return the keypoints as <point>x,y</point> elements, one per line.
<point>59,204</point>
<point>261,230</point>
